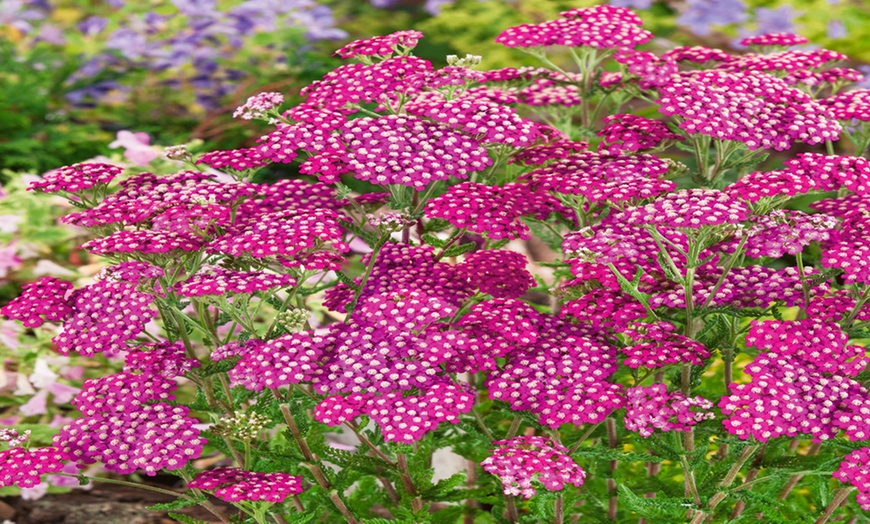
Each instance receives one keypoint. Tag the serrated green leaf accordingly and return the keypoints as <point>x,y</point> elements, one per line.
<point>436,224</point>
<point>185,519</point>
<point>444,486</point>
<point>672,509</point>
<point>448,515</point>
<point>179,503</point>
<point>301,518</point>
<point>346,280</point>
<point>666,268</point>
<point>432,240</point>
<point>607,454</point>
<point>545,232</point>
<point>455,251</point>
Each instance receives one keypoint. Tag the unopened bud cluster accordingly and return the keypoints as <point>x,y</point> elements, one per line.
<point>241,426</point>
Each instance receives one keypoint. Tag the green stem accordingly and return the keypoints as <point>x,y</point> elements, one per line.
<point>725,271</point>
<point>574,447</point>
<point>729,479</point>
<point>806,291</point>
<point>125,483</point>
<point>515,426</point>
<point>313,464</point>
<point>612,443</point>
<point>483,427</point>
<point>862,299</point>
<point>511,509</point>
<point>365,278</point>
<point>408,483</point>
<point>559,509</point>
<point>368,443</point>
<point>839,497</point>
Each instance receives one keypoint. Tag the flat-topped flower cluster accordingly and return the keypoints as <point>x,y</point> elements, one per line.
<point>688,299</point>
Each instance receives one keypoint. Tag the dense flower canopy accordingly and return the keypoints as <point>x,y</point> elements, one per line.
<point>511,264</point>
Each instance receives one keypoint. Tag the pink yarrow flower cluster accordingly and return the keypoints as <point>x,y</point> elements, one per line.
<point>236,485</point>
<point>633,133</point>
<point>258,106</point>
<point>127,423</point>
<point>754,108</point>
<point>602,27</point>
<point>76,178</point>
<point>774,39</point>
<point>380,45</point>
<point>652,408</point>
<point>520,462</point>
<point>801,386</point>
<point>855,470</point>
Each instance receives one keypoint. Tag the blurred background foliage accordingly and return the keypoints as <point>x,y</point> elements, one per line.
<point>73,73</point>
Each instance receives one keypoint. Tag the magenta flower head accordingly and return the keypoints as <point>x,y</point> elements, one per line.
<point>601,27</point>
<point>402,417</point>
<point>127,424</point>
<point>658,344</point>
<point>652,408</point>
<point>236,485</point>
<point>381,45</point>
<point>501,273</point>
<point>561,378</point>
<point>849,105</point>
<point>410,151</point>
<point>258,106</point>
<point>105,316</point>
<point>696,54</point>
<point>75,178</point>
<point>774,39</point>
<point>855,470</point>
<point>235,159</point>
<point>488,121</point>
<point>751,107</point>
<point>46,300</point>
<point>604,176</point>
<point>215,280</point>
<point>522,461</point>
<point>23,468</point>
<point>689,208</point>
<point>292,237</point>
<point>626,133</point>
<point>492,210</point>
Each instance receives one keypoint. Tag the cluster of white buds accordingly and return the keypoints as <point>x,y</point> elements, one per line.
<point>292,320</point>
<point>388,222</point>
<point>466,61</point>
<point>178,153</point>
<point>11,437</point>
<point>241,426</point>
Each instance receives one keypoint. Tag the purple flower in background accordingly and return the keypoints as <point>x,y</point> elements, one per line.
<point>130,43</point>
<point>18,14</point>
<point>770,21</point>
<point>836,29</point>
<point>320,23</point>
<point>381,4</point>
<point>636,4</point>
<point>196,7</point>
<point>52,34</point>
<point>779,20</point>
<point>433,7</point>
<point>700,15</point>
<point>93,25</point>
